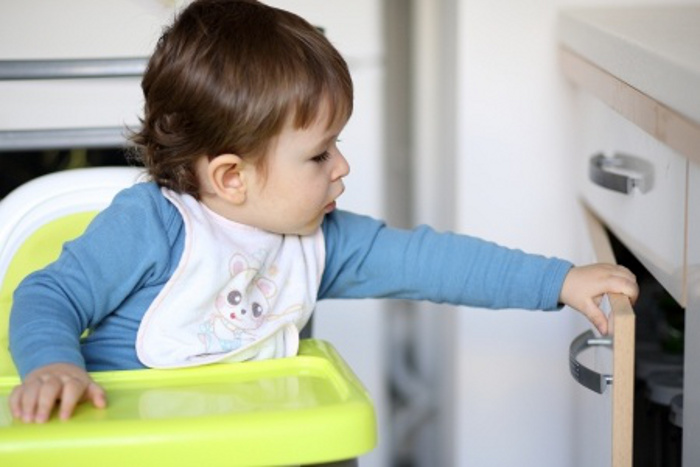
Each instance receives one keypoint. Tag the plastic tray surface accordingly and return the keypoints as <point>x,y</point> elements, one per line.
<point>305,409</point>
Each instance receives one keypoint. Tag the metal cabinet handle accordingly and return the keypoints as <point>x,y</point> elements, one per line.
<point>71,68</point>
<point>621,173</point>
<point>590,379</point>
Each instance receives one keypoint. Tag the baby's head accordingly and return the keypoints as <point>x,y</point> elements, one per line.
<point>226,77</point>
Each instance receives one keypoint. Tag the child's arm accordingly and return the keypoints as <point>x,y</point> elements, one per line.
<point>365,258</point>
<point>59,384</point>
<point>584,287</point>
<point>127,247</point>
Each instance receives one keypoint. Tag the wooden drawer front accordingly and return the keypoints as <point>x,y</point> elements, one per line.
<point>650,221</point>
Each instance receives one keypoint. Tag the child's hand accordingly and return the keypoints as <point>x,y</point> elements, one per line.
<point>584,288</point>
<point>59,384</point>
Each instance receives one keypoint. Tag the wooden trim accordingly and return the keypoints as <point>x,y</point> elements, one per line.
<point>622,325</point>
<point>599,238</point>
<point>622,328</point>
<point>663,123</point>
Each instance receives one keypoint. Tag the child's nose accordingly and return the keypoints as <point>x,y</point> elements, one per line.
<point>342,167</point>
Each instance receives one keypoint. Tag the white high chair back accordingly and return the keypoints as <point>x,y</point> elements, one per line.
<point>53,196</point>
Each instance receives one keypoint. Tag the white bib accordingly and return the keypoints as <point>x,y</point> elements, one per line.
<point>238,293</point>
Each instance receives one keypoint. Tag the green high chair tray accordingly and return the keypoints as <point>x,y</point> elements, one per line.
<point>308,409</point>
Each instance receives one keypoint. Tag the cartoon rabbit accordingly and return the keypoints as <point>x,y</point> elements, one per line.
<point>242,306</point>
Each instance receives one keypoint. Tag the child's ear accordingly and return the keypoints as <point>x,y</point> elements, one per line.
<point>226,178</point>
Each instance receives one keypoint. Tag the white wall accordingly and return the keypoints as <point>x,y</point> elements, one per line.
<point>513,140</point>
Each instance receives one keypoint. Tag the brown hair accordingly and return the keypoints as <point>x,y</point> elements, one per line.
<point>226,77</point>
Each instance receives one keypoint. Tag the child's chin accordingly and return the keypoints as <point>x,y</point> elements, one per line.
<point>309,229</point>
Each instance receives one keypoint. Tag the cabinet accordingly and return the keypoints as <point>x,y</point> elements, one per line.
<point>650,217</point>
<point>636,73</point>
<point>70,71</point>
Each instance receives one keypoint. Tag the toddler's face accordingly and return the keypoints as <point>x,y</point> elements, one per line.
<point>304,172</point>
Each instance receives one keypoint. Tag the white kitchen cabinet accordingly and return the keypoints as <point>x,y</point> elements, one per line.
<point>649,217</point>
<point>104,44</point>
<point>636,73</point>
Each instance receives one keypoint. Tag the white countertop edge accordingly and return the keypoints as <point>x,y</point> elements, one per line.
<point>644,62</point>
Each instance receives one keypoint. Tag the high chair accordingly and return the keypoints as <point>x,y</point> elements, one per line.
<point>308,409</point>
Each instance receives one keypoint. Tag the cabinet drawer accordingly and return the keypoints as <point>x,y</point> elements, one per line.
<point>74,64</point>
<point>39,30</point>
<point>85,103</point>
<point>650,218</point>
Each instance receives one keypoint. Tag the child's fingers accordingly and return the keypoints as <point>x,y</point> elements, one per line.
<point>32,398</point>
<point>15,401</point>
<point>72,393</point>
<point>625,281</point>
<point>625,285</point>
<point>596,316</point>
<point>622,271</point>
<point>47,396</point>
<point>28,398</point>
<point>96,395</point>
<point>613,278</point>
<point>75,392</point>
<point>59,384</point>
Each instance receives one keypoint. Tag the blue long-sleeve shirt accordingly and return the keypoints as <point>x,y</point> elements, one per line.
<point>106,279</point>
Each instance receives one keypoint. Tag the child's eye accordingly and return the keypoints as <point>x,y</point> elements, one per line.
<point>321,157</point>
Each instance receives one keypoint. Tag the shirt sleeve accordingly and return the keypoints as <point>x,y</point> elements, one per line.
<point>365,258</point>
<point>122,248</point>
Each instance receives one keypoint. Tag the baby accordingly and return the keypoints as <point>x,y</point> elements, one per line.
<point>223,253</point>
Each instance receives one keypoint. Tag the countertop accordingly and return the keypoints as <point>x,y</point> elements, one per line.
<point>656,50</point>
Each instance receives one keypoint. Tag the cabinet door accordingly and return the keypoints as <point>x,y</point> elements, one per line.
<point>606,367</point>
